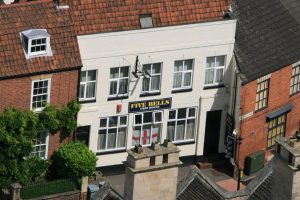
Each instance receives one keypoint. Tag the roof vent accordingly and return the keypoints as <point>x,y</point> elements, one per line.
<point>146,21</point>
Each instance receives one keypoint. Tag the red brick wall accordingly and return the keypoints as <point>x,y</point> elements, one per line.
<point>17,93</point>
<point>254,128</point>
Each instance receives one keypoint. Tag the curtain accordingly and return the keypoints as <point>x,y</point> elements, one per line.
<point>146,82</point>
<point>136,135</point>
<point>209,76</point>
<point>101,140</point>
<point>177,80</point>
<point>190,128</point>
<point>180,130</point>
<point>155,82</point>
<point>156,132</point>
<point>113,87</point>
<point>123,86</point>
<point>171,130</point>
<point>219,75</point>
<point>121,137</point>
<point>90,90</point>
<point>111,138</point>
<point>187,79</point>
<point>81,91</point>
<point>146,134</point>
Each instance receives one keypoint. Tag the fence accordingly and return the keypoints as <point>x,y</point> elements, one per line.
<point>49,187</point>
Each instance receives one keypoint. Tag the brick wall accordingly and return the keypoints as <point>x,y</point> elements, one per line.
<point>17,93</point>
<point>254,127</point>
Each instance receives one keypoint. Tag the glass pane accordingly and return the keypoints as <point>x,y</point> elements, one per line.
<point>187,79</point>
<point>101,140</point>
<point>103,122</point>
<point>114,72</point>
<point>124,72</point>
<point>156,130</point>
<point>181,113</point>
<point>112,121</point>
<point>81,91</point>
<point>192,112</point>
<point>220,60</point>
<point>171,131</point>
<point>146,134</point>
<point>147,68</point>
<point>180,130</point>
<point>121,137</point>
<point>177,80</point>
<point>172,114</point>
<point>111,138</point>
<point>113,88</point>
<point>146,84</point>
<point>83,76</point>
<point>155,83</point>
<point>178,66</point>
<point>138,119</point>
<point>158,117</point>
<point>219,76</point>
<point>91,75</point>
<point>123,86</point>
<point>90,90</point>
<point>190,129</point>
<point>123,120</point>
<point>136,135</point>
<point>210,62</point>
<point>209,76</point>
<point>188,64</point>
<point>156,68</point>
<point>148,117</point>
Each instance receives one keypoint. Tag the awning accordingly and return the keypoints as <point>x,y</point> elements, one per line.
<point>280,111</point>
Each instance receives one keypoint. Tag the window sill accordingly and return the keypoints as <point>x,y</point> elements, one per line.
<point>182,90</point>
<point>298,92</point>
<point>213,86</point>
<point>87,101</point>
<point>110,152</point>
<point>117,98</point>
<point>149,94</point>
<point>261,109</point>
<point>184,142</point>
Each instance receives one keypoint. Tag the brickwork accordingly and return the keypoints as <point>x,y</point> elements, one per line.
<point>16,93</point>
<point>254,128</point>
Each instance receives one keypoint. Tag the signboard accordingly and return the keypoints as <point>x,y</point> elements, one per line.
<point>156,104</point>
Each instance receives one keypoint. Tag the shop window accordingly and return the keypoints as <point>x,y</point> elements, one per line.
<point>295,80</point>
<point>214,70</point>
<point>88,84</point>
<point>276,128</point>
<point>183,74</point>
<point>112,133</point>
<point>151,83</point>
<point>40,94</point>
<point>119,77</point>
<point>262,92</point>
<point>147,128</point>
<point>181,124</point>
<point>40,145</point>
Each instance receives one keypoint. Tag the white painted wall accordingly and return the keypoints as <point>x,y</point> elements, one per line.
<point>167,44</point>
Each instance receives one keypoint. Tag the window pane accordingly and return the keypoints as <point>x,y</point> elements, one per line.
<point>158,117</point>
<point>136,135</point>
<point>177,80</point>
<point>190,128</point>
<point>113,87</point>
<point>156,130</point>
<point>181,113</point>
<point>121,137</point>
<point>103,122</point>
<point>172,114</point>
<point>171,131</point>
<point>111,138</point>
<point>114,72</point>
<point>91,75</point>
<point>123,120</point>
<point>188,64</point>
<point>83,76</point>
<point>81,91</point>
<point>123,86</point>
<point>187,79</point>
<point>101,139</point>
<point>146,84</point>
<point>113,121</point>
<point>192,112</point>
<point>148,117</point>
<point>209,76</point>
<point>124,72</point>
<point>210,62</point>
<point>156,68</point>
<point>138,119</point>
<point>146,134</point>
<point>220,61</point>
<point>90,90</point>
<point>180,130</point>
<point>155,82</point>
<point>147,68</point>
<point>178,65</point>
<point>219,76</point>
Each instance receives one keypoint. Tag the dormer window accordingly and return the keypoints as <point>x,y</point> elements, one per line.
<point>36,42</point>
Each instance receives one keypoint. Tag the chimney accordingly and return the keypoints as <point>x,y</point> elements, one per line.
<point>151,172</point>
<point>286,169</point>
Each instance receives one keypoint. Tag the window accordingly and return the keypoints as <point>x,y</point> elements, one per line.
<point>40,145</point>
<point>119,77</point>
<point>183,71</point>
<point>112,133</point>
<point>181,124</point>
<point>214,70</point>
<point>36,42</point>
<point>151,83</point>
<point>147,128</point>
<point>88,83</point>
<point>40,94</point>
<point>146,21</point>
<point>276,129</point>
<point>295,81</point>
<point>262,92</point>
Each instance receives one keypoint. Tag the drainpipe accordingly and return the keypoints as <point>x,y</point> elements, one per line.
<point>198,128</point>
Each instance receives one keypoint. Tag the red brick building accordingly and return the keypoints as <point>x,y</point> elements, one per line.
<point>39,61</point>
<point>267,56</point>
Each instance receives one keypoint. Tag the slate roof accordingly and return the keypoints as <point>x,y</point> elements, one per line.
<point>95,16</point>
<point>267,36</point>
<point>43,14</point>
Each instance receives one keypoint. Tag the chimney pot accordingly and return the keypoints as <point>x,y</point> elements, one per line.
<point>138,149</point>
<point>167,143</point>
<point>155,146</point>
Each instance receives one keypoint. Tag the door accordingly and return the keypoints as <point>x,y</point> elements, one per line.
<point>212,132</point>
<point>83,134</point>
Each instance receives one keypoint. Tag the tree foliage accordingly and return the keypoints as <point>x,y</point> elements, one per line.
<point>17,131</point>
<point>74,160</point>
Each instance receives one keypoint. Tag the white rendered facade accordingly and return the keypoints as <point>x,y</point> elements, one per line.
<point>165,45</point>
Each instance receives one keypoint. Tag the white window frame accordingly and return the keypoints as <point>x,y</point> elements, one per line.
<point>215,68</point>
<point>85,83</point>
<point>118,82</point>
<point>295,79</point>
<point>151,77</point>
<point>185,122</point>
<point>117,136</point>
<point>32,95</point>
<point>183,72</point>
<point>30,36</point>
<point>149,123</point>
<point>37,153</point>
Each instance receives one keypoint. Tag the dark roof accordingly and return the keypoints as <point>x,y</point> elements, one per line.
<point>107,15</point>
<point>106,192</point>
<point>43,14</point>
<point>267,36</point>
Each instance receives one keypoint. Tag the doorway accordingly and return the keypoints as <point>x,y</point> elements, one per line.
<point>212,132</point>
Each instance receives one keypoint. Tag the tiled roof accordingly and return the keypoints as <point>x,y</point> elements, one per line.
<point>267,36</point>
<point>95,16</point>
<point>43,14</point>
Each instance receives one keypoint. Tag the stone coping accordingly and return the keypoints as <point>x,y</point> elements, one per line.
<point>154,167</point>
<point>284,143</point>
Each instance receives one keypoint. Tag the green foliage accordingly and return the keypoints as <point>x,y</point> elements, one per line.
<point>17,131</point>
<point>74,160</point>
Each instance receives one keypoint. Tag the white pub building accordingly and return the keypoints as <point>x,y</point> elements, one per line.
<point>151,83</point>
